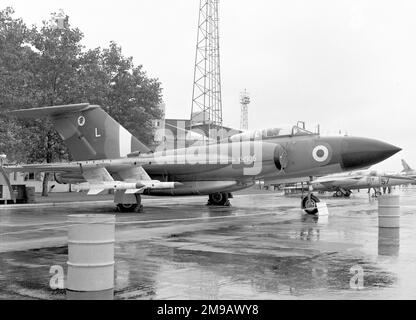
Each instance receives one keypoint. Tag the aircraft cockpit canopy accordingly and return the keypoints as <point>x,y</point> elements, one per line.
<point>286,130</point>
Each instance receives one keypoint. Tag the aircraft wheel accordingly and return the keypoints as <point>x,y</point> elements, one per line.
<point>219,199</point>
<point>339,193</point>
<point>131,207</point>
<point>127,207</point>
<point>348,194</point>
<point>309,205</point>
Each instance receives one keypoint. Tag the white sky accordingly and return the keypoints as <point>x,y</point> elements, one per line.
<point>348,65</point>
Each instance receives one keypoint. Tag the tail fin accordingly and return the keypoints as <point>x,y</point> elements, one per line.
<point>88,131</point>
<point>406,167</point>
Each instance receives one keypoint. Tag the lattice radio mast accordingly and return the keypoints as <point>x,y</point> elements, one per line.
<point>244,102</point>
<point>206,93</point>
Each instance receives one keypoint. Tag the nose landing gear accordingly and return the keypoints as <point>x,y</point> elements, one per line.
<point>309,201</point>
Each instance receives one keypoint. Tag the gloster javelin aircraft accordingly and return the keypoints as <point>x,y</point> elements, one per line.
<point>107,157</point>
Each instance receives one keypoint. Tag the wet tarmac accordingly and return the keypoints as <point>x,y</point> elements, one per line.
<point>263,247</point>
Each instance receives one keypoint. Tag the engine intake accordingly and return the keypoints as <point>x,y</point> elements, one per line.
<point>280,157</point>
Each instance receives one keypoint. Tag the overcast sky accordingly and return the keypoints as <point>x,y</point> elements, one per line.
<point>347,65</point>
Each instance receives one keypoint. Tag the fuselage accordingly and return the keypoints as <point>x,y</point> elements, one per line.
<point>364,182</point>
<point>232,166</point>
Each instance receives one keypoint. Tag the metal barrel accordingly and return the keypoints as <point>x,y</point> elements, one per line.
<point>388,241</point>
<point>389,211</point>
<point>91,252</point>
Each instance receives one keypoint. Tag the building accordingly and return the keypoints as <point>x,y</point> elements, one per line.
<point>31,179</point>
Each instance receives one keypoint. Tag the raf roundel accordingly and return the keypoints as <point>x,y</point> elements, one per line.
<point>320,153</point>
<point>81,121</point>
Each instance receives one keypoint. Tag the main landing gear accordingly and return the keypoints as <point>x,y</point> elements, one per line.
<point>131,207</point>
<point>219,199</point>
<point>377,192</point>
<point>342,193</point>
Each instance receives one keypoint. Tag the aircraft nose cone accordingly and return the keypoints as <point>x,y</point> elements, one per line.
<point>362,152</point>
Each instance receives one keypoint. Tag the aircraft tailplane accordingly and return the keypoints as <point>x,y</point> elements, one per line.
<point>88,131</point>
<point>406,167</point>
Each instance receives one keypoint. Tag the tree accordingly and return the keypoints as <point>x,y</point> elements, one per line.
<point>10,139</point>
<point>49,66</point>
<point>53,63</point>
<point>125,91</point>
<point>14,80</point>
<point>14,52</point>
<point>133,98</point>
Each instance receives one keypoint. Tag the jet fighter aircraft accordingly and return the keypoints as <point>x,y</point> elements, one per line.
<point>342,184</point>
<point>108,157</point>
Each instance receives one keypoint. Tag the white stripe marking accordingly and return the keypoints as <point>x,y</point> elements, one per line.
<point>124,142</point>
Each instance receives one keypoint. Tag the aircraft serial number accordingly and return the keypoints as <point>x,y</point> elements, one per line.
<point>248,159</point>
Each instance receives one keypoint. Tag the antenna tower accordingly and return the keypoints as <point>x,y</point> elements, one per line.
<point>206,94</point>
<point>244,102</point>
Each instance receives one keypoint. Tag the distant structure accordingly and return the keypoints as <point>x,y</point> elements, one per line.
<point>59,20</point>
<point>159,128</point>
<point>206,112</point>
<point>3,159</point>
<point>244,102</point>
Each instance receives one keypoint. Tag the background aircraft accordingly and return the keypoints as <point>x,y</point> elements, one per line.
<point>108,157</point>
<point>407,171</point>
<point>343,184</point>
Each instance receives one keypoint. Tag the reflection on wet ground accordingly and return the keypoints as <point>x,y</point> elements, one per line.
<point>263,247</point>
